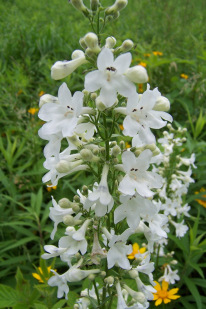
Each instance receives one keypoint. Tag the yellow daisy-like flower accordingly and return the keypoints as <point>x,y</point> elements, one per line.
<point>185,76</point>
<point>147,55</point>
<point>41,277</point>
<point>157,53</point>
<point>201,202</point>
<point>143,64</point>
<point>49,189</point>
<point>121,127</point>
<point>136,250</point>
<point>163,295</point>
<point>33,110</point>
<point>41,93</point>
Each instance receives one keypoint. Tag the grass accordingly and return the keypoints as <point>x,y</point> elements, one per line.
<point>35,34</point>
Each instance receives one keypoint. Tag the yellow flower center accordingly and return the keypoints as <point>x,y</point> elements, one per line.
<point>162,294</point>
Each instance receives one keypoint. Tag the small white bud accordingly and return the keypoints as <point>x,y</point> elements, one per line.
<point>69,220</point>
<point>94,5</point>
<point>75,207</point>
<point>110,42</point>
<point>133,273</point>
<point>93,96</point>
<point>109,280</point>
<point>82,43</point>
<point>126,46</point>
<point>100,105</point>
<point>91,39</point>
<point>116,150</point>
<point>86,155</point>
<point>47,98</point>
<point>121,4</point>
<point>162,104</point>
<point>137,74</point>
<point>65,203</point>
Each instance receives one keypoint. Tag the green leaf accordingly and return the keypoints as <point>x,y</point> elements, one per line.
<point>59,304</point>
<point>8,296</point>
<point>194,291</point>
<point>200,282</point>
<point>40,306</point>
<point>197,268</point>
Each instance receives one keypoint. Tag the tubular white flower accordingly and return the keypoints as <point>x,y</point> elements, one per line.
<point>137,178</point>
<point>61,69</point>
<point>110,42</point>
<point>61,282</point>
<point>110,77</point>
<point>137,74</point>
<point>80,233</point>
<point>137,296</point>
<point>62,117</point>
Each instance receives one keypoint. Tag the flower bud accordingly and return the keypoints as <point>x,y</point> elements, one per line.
<point>122,145</point>
<point>86,155</point>
<point>79,5</point>
<point>82,43</point>
<point>64,166</point>
<point>91,39</point>
<point>110,42</point>
<point>47,98</point>
<point>100,106</point>
<point>116,150</point>
<point>121,4</point>
<point>103,274</point>
<point>85,190</point>
<point>94,5</point>
<point>91,277</point>
<point>137,74</point>
<point>126,46</point>
<point>109,280</point>
<point>151,147</point>
<point>75,207</point>
<point>76,198</point>
<point>93,96</point>
<point>133,273</point>
<point>162,104</point>
<point>65,203</point>
<point>69,220</point>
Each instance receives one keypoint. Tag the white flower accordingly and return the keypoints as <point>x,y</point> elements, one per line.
<point>57,214</point>
<point>53,251</point>
<point>189,161</point>
<point>117,254</point>
<point>110,77</point>
<point>132,208</point>
<point>170,207</point>
<point>170,275</point>
<point>137,178</point>
<point>141,116</point>
<point>100,198</point>
<point>61,282</point>
<point>62,69</point>
<point>54,145</point>
<point>62,117</point>
<point>181,228</point>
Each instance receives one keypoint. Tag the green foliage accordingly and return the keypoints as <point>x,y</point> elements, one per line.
<point>34,35</point>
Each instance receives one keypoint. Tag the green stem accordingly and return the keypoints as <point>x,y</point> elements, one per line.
<point>96,292</point>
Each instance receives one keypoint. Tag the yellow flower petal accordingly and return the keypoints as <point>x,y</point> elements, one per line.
<point>157,286</point>
<point>158,302</point>
<point>36,276</point>
<point>165,285</point>
<point>167,300</point>
<point>172,292</point>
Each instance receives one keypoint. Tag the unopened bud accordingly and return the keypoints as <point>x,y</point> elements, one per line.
<point>122,145</point>
<point>133,273</point>
<point>137,74</point>
<point>69,220</point>
<point>110,42</point>
<point>151,147</point>
<point>93,96</point>
<point>79,5</point>
<point>75,207</point>
<point>76,198</point>
<point>103,274</point>
<point>116,150</point>
<point>94,5</point>
<point>162,104</point>
<point>126,46</point>
<point>109,280</point>
<point>47,98</point>
<point>65,203</point>
<point>91,277</point>
<point>121,4</point>
<point>100,105</point>
<point>91,39</point>
<point>82,43</point>
<point>76,306</point>
<point>62,166</point>
<point>86,155</point>
<point>85,189</point>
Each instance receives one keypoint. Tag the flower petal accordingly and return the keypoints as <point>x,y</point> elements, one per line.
<point>105,59</point>
<point>123,62</point>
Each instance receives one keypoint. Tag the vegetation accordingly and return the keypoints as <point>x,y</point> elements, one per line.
<point>170,41</point>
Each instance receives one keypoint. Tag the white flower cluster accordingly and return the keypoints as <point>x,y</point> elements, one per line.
<point>118,203</point>
<point>176,171</point>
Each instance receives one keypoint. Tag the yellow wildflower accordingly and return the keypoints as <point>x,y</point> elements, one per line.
<point>33,110</point>
<point>147,55</point>
<point>136,250</point>
<point>157,53</point>
<point>41,93</point>
<point>41,277</point>
<point>143,64</point>
<point>163,294</point>
<point>127,145</point>
<point>49,189</point>
<point>19,92</point>
<point>201,202</point>
<point>140,88</point>
<point>121,127</point>
<point>185,76</point>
